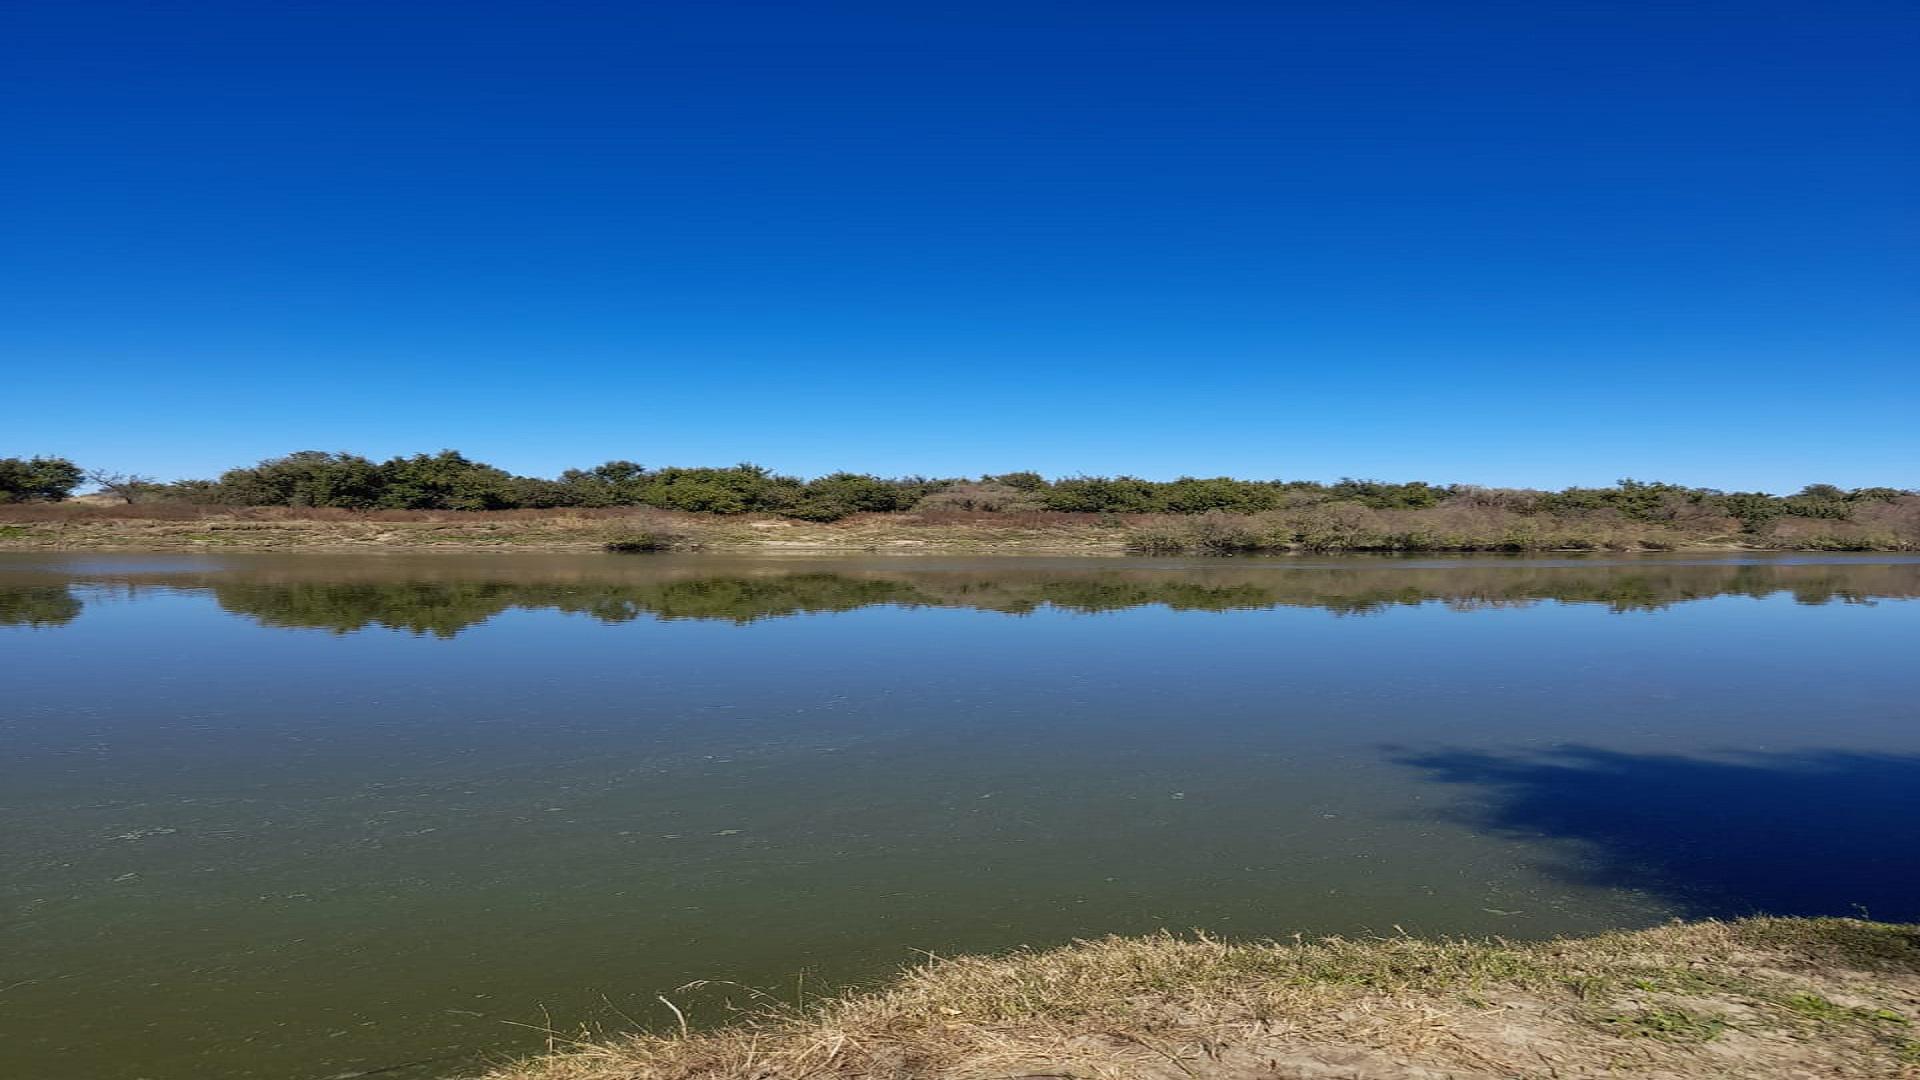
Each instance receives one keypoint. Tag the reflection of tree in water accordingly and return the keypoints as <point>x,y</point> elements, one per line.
<point>1809,833</point>
<point>445,607</point>
<point>424,607</point>
<point>38,605</point>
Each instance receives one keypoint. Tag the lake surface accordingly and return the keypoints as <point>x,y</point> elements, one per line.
<point>312,816</point>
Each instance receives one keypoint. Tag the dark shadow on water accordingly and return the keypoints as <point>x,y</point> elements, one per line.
<point>1809,833</point>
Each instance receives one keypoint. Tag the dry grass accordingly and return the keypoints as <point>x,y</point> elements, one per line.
<point>1328,528</point>
<point>959,525</point>
<point>183,527</point>
<point>165,527</point>
<point>1760,998</point>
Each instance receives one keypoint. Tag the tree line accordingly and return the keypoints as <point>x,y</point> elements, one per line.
<point>450,480</point>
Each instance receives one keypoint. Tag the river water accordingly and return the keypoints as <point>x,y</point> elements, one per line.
<point>317,816</point>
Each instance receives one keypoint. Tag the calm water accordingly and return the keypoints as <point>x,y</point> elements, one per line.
<point>315,816</point>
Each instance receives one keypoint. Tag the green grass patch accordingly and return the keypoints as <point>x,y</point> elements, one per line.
<point>1851,941</point>
<point>1669,1024</point>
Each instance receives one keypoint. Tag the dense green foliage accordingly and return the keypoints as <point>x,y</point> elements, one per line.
<point>37,479</point>
<point>1226,514</point>
<point>451,481</point>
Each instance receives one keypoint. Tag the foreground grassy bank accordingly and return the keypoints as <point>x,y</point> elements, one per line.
<point>1328,528</point>
<point>1758,998</point>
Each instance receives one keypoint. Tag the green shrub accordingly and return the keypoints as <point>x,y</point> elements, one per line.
<point>633,543</point>
<point>38,479</point>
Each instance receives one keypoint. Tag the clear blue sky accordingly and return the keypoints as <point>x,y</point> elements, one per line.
<point>1526,243</point>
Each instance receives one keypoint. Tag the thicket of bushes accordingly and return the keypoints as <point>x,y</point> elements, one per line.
<point>1225,514</point>
<point>451,481</point>
<point>37,479</point>
<point>1457,525</point>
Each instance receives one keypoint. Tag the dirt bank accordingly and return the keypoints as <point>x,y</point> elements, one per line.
<point>1766,998</point>
<point>277,529</point>
<point>175,528</point>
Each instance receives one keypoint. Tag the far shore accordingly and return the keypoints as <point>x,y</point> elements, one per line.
<point>204,529</point>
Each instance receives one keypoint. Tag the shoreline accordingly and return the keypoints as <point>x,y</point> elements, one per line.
<point>1758,998</point>
<point>215,530</point>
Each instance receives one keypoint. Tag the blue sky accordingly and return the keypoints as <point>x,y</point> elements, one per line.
<point>1519,243</point>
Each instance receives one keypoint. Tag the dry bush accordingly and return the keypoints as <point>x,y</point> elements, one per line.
<point>1522,500</point>
<point>98,511</point>
<point>1201,534</point>
<point>1896,520</point>
<point>1891,526</point>
<point>1473,525</point>
<point>987,498</point>
<point>1029,519</point>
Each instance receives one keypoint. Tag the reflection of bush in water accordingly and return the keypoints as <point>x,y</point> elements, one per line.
<point>38,605</point>
<point>424,607</point>
<point>444,608</point>
<point>1106,594</point>
<point>744,599</point>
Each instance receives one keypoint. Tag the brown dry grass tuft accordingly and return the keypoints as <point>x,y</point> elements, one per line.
<point>1758,998</point>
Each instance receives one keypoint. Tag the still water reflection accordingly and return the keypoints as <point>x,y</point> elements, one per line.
<point>313,816</point>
